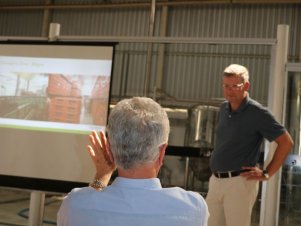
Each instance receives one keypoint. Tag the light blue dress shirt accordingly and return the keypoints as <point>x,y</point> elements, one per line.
<point>129,202</point>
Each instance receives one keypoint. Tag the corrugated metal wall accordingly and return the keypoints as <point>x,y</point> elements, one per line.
<point>23,23</point>
<point>199,71</point>
<point>192,72</point>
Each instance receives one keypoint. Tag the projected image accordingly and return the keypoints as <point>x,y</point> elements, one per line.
<point>55,97</point>
<point>77,99</point>
<point>53,94</point>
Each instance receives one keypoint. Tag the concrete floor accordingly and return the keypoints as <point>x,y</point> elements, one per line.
<point>14,207</point>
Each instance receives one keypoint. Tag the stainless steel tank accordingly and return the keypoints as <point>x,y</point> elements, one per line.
<point>200,133</point>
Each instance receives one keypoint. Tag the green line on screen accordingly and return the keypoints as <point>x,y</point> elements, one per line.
<point>56,130</point>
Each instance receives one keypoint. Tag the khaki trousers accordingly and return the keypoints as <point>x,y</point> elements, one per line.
<point>230,201</point>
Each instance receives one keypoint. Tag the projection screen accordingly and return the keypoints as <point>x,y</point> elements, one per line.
<point>52,95</point>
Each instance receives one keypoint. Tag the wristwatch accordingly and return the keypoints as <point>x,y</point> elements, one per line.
<point>97,184</point>
<point>265,173</point>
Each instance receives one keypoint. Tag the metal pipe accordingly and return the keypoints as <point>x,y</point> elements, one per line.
<point>161,50</point>
<point>46,20</point>
<point>124,74</point>
<point>149,56</point>
<point>271,189</point>
<point>141,4</point>
<point>145,39</point>
<point>36,208</point>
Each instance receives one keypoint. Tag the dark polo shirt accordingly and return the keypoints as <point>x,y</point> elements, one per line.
<point>240,134</point>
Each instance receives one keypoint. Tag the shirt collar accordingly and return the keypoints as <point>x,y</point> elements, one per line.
<point>149,184</point>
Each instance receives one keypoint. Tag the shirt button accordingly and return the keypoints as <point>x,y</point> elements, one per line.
<point>230,116</point>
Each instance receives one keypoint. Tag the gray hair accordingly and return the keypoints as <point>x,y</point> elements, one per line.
<point>136,129</point>
<point>237,70</point>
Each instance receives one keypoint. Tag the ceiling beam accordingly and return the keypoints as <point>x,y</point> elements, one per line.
<point>161,3</point>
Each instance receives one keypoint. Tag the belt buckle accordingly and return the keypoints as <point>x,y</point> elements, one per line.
<point>229,174</point>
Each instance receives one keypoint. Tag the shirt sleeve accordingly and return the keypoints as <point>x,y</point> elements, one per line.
<point>270,128</point>
<point>63,213</point>
<point>204,212</point>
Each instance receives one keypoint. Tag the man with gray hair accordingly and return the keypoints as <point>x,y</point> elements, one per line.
<point>138,130</point>
<point>242,127</point>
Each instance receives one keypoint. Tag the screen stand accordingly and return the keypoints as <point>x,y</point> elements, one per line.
<point>36,208</point>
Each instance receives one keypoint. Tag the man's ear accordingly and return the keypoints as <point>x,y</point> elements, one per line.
<point>162,154</point>
<point>247,86</point>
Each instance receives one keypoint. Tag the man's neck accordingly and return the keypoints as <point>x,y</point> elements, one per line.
<point>235,105</point>
<point>139,172</point>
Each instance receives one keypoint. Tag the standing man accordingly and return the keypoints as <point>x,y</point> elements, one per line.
<point>242,127</point>
<point>138,130</point>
